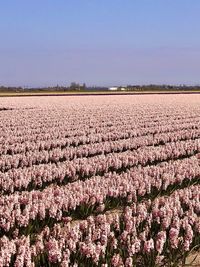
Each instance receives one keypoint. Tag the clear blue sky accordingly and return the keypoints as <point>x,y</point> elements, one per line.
<point>104,42</point>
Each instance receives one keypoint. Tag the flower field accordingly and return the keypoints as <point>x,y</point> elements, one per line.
<point>105,181</point>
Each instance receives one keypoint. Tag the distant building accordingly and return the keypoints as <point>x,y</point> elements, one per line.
<point>113,88</point>
<point>123,89</point>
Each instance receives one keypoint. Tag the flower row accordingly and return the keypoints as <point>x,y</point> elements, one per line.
<point>36,157</point>
<point>160,231</point>
<point>95,194</point>
<point>59,136</point>
<point>82,168</point>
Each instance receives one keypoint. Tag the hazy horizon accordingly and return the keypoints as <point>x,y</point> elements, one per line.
<point>115,42</point>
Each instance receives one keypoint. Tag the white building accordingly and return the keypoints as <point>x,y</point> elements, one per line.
<point>114,88</point>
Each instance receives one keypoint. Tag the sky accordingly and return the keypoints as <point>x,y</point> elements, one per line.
<point>99,42</point>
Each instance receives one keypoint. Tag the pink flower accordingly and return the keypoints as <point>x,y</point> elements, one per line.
<point>160,241</point>
<point>129,262</point>
<point>116,261</point>
<point>148,245</point>
<point>173,236</point>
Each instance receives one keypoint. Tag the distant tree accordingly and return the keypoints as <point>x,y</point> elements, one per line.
<point>74,86</point>
<point>84,86</point>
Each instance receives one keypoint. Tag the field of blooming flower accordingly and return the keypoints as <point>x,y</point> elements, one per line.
<point>99,180</point>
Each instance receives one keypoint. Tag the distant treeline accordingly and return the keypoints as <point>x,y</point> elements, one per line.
<point>57,88</point>
<point>153,87</point>
<point>77,87</point>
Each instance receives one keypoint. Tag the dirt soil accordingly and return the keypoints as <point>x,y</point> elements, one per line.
<point>193,260</point>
